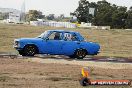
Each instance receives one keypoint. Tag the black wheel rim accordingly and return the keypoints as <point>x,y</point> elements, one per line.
<point>81,53</point>
<point>30,50</point>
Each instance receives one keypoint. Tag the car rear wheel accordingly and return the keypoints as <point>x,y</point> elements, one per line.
<point>80,53</point>
<point>30,50</point>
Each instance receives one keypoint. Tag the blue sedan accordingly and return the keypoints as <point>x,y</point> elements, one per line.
<point>57,42</point>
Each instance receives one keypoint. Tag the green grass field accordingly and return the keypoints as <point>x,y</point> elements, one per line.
<point>113,42</point>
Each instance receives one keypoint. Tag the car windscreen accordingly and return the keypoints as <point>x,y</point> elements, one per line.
<point>43,35</point>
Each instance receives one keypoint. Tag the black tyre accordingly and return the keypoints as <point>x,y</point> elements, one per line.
<point>83,81</point>
<point>80,53</point>
<point>21,52</point>
<point>30,50</point>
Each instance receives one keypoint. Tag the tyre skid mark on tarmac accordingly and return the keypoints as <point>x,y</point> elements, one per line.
<point>107,65</point>
<point>98,61</point>
<point>96,58</point>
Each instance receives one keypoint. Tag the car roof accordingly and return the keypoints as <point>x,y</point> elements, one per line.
<point>61,31</point>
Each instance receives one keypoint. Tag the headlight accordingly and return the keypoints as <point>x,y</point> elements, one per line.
<point>16,44</point>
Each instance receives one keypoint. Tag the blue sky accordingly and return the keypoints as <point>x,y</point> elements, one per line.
<point>54,6</point>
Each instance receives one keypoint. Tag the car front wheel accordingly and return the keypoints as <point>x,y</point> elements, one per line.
<point>30,50</point>
<point>80,53</point>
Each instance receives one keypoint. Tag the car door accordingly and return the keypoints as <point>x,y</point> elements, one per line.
<point>70,43</point>
<point>53,44</point>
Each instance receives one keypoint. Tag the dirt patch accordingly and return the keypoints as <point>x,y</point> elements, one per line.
<point>19,73</point>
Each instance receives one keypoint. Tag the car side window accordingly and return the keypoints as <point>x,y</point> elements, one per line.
<point>55,36</point>
<point>70,37</point>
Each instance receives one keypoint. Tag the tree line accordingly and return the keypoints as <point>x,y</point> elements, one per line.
<point>33,15</point>
<point>105,14</point>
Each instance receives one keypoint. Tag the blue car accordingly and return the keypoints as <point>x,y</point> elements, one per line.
<point>57,42</point>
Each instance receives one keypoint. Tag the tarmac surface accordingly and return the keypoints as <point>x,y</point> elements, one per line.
<point>93,61</point>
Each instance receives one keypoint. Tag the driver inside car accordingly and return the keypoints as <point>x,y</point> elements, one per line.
<point>57,36</point>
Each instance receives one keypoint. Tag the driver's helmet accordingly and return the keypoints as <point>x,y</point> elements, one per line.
<point>57,36</point>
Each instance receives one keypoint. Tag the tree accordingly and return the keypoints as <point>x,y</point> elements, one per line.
<point>118,17</point>
<point>61,16</point>
<point>82,12</point>
<point>5,15</point>
<point>103,13</point>
<point>51,16</point>
<point>129,18</point>
<point>33,15</point>
<point>106,14</point>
